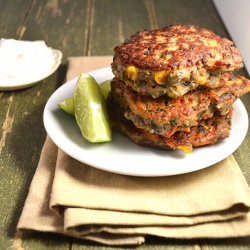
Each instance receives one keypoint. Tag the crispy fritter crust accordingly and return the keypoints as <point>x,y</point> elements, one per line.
<point>177,47</point>
<point>207,132</point>
<point>166,116</point>
<point>174,60</point>
<point>174,87</point>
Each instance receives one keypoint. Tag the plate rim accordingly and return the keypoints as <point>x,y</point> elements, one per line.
<point>57,54</point>
<point>72,82</point>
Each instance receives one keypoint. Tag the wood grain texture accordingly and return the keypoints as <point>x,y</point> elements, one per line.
<point>80,27</point>
<point>22,132</point>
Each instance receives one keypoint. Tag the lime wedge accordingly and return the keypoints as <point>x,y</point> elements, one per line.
<point>105,88</point>
<point>90,110</point>
<point>68,106</point>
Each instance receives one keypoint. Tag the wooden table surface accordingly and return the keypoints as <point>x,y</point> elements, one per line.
<point>80,28</point>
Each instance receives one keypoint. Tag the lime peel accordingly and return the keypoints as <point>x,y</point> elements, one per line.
<point>91,110</point>
<point>68,106</point>
<point>105,88</point>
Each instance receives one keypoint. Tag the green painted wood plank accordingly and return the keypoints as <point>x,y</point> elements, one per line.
<point>9,26</point>
<point>199,12</point>
<point>62,26</point>
<point>113,21</point>
<point>10,183</point>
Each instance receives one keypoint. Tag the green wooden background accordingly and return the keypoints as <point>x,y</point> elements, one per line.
<point>80,28</point>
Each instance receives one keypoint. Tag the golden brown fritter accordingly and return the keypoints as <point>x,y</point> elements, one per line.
<point>207,132</point>
<point>174,60</point>
<point>165,116</point>
<point>174,87</point>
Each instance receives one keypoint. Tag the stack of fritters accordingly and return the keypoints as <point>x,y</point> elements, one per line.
<point>174,87</point>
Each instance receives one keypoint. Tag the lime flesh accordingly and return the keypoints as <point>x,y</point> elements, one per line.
<point>105,88</point>
<point>91,111</point>
<point>68,106</point>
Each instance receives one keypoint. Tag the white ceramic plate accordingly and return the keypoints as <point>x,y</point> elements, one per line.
<point>125,157</point>
<point>57,54</point>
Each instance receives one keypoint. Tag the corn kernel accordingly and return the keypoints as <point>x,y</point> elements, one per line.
<point>212,43</point>
<point>205,126</point>
<point>161,77</point>
<point>172,95</point>
<point>202,80</point>
<point>132,72</point>
<point>210,61</point>
<point>185,148</point>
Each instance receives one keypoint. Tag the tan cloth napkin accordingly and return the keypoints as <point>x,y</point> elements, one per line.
<point>71,198</point>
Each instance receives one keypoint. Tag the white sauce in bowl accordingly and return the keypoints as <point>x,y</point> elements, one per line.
<point>24,61</point>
